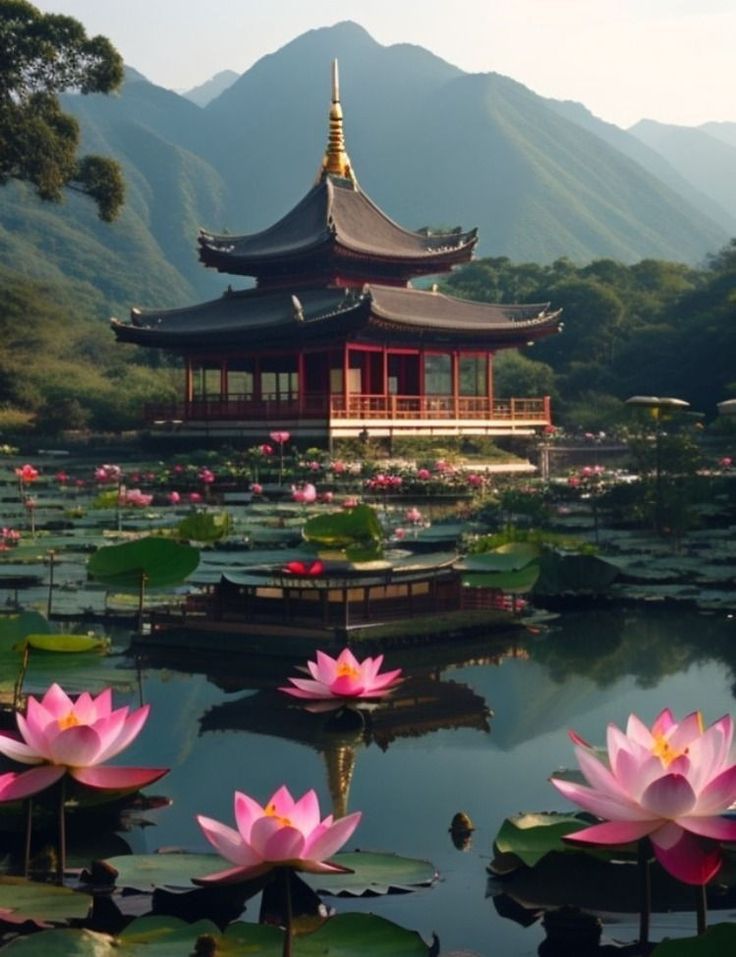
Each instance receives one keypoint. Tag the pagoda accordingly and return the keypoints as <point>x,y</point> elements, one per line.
<point>333,340</point>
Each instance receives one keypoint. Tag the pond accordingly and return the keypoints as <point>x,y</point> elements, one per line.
<point>220,729</point>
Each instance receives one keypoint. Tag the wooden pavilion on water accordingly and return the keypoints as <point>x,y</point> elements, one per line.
<point>333,341</point>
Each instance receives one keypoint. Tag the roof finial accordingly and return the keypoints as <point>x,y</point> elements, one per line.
<point>336,160</point>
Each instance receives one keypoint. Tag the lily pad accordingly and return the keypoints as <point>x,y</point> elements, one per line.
<point>204,526</point>
<point>161,561</point>
<point>529,837</point>
<point>373,874</point>
<point>44,904</point>
<point>715,942</point>
<point>508,558</point>
<point>519,581</point>
<point>67,644</point>
<point>347,935</point>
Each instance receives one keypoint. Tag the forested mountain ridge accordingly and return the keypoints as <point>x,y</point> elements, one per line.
<point>430,143</point>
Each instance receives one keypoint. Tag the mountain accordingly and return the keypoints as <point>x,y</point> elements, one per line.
<point>706,160</point>
<point>647,157</point>
<point>207,91</point>
<point>431,144</point>
<point>721,130</point>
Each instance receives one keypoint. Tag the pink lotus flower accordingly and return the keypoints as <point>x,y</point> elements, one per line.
<point>134,497</point>
<point>343,678</point>
<point>726,462</point>
<point>475,480</point>
<point>350,501</point>
<point>413,515</point>
<point>62,478</point>
<point>62,736</point>
<point>266,449</point>
<point>327,497</point>
<point>27,473</point>
<point>256,488</point>
<point>670,783</point>
<point>174,498</point>
<point>311,569</point>
<point>424,474</point>
<point>207,476</point>
<point>279,437</point>
<point>305,495</point>
<point>108,473</point>
<point>195,497</point>
<point>284,833</point>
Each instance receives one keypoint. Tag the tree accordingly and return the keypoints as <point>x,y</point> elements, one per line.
<point>41,56</point>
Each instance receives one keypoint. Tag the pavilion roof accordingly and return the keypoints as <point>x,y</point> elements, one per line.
<point>258,319</point>
<point>336,218</point>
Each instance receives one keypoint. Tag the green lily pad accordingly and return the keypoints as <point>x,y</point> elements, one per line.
<point>347,935</point>
<point>204,526</point>
<point>519,582</point>
<point>67,644</point>
<point>22,900</point>
<point>562,573</point>
<point>529,837</point>
<point>373,874</point>
<point>161,561</point>
<point>508,558</point>
<point>715,942</point>
<point>353,527</point>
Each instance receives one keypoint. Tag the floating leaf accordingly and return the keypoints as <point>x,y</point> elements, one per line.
<point>67,644</point>
<point>347,935</point>
<point>508,558</point>
<point>373,874</point>
<point>22,900</point>
<point>144,872</point>
<point>204,526</point>
<point>161,561</point>
<point>518,582</point>
<point>352,527</point>
<point>715,942</point>
<point>530,836</point>
<point>562,573</point>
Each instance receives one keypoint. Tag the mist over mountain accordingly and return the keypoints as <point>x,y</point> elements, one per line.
<point>704,155</point>
<point>207,91</point>
<point>429,143</point>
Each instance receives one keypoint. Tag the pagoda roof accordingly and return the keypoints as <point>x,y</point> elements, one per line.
<point>337,219</point>
<point>276,318</point>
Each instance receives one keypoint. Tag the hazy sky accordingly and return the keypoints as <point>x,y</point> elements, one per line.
<point>669,60</point>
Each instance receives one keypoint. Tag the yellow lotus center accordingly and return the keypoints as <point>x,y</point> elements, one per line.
<point>663,750</point>
<point>68,721</point>
<point>345,670</point>
<point>271,812</point>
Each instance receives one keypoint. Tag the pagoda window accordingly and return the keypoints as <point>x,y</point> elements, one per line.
<point>206,380</point>
<point>240,378</point>
<point>403,373</point>
<point>437,374</point>
<point>473,375</point>
<point>279,377</point>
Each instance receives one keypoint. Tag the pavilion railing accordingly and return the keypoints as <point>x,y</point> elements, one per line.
<point>279,407</point>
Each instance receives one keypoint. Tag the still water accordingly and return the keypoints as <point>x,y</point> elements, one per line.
<point>220,727</point>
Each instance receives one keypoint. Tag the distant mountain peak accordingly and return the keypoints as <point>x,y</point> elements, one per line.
<point>212,88</point>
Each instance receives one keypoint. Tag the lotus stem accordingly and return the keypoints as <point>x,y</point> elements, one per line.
<point>288,928</point>
<point>645,891</point>
<point>29,830</point>
<point>50,598</point>
<point>61,863</point>
<point>701,908</point>
<point>18,687</point>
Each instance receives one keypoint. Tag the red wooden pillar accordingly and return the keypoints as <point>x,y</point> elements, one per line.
<point>422,385</point>
<point>489,382</point>
<point>386,393</point>
<point>345,371</point>
<point>188,381</point>
<point>455,385</point>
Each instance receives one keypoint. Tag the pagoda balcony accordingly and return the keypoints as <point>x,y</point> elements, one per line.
<point>340,416</point>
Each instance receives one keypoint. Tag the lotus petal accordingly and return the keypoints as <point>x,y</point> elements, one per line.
<point>234,875</point>
<point>228,842</point>
<point>328,843</point>
<point>129,730</point>
<point>117,779</point>
<point>719,795</point>
<point>604,805</point>
<point>18,750</point>
<point>285,844</point>
<point>246,812</point>
<point>690,859</point>
<point>717,828</point>
<point>16,787</point>
<point>57,702</point>
<point>669,797</point>
<point>613,832</point>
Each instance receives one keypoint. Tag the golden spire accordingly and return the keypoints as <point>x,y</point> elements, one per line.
<point>336,159</point>
<point>340,761</point>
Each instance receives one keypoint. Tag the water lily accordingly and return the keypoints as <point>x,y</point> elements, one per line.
<point>284,833</point>
<point>60,736</point>
<point>256,488</point>
<point>343,678</point>
<point>108,473</point>
<point>279,437</point>
<point>310,569</point>
<point>413,515</point>
<point>134,497</point>
<point>306,494</point>
<point>174,498</point>
<point>27,473</point>
<point>671,782</point>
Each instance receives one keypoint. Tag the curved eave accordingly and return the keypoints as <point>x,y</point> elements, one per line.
<point>491,336</point>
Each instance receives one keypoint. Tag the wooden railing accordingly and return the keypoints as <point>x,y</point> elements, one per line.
<point>275,408</point>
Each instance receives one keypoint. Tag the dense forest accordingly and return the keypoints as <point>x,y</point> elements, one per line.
<point>655,328</point>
